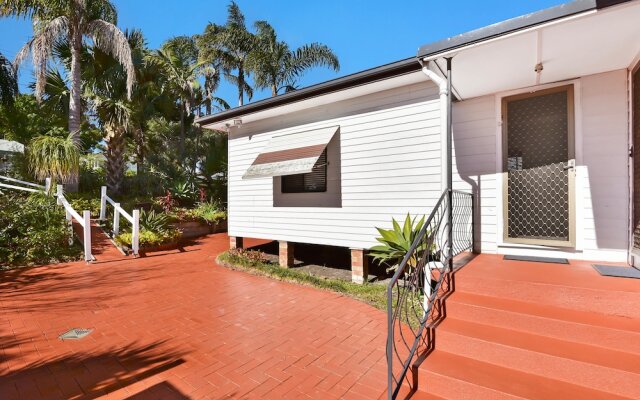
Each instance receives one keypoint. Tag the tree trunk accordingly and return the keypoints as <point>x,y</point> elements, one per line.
<point>274,90</point>
<point>115,160</point>
<point>183,133</point>
<point>75,99</point>
<point>240,86</point>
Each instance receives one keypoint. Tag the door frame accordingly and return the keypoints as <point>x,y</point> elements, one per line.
<point>571,119</point>
<point>633,256</point>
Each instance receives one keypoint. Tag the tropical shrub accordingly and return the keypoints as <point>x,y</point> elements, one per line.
<point>208,212</point>
<point>396,242</point>
<point>184,192</point>
<point>81,202</point>
<point>33,230</point>
<point>149,238</point>
<point>54,157</point>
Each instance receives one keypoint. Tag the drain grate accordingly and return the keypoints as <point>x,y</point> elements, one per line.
<point>75,334</point>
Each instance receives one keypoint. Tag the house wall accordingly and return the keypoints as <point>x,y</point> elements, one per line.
<point>389,147</point>
<point>602,183</point>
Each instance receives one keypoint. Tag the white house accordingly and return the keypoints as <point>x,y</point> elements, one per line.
<point>544,118</point>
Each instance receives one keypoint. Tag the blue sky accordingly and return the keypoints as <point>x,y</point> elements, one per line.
<point>363,33</point>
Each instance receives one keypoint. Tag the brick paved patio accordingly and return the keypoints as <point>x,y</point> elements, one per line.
<point>175,325</point>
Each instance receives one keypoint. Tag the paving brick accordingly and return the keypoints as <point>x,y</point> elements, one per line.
<point>174,322</point>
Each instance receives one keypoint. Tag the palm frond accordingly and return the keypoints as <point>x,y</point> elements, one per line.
<point>110,39</point>
<point>55,157</point>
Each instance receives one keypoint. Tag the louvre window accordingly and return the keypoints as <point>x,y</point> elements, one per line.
<point>314,181</point>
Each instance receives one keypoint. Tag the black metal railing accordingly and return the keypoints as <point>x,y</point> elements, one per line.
<point>421,280</point>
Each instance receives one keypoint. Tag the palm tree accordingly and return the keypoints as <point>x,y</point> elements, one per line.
<point>70,21</point>
<point>229,46</point>
<point>8,81</point>
<point>178,61</point>
<point>277,67</point>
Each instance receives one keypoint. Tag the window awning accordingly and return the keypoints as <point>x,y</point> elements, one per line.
<point>290,154</point>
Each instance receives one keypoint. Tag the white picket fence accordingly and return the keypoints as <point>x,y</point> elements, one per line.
<point>84,221</point>
<point>133,218</point>
<point>32,187</point>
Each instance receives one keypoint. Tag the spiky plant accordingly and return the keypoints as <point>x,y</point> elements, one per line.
<point>396,243</point>
<point>55,157</point>
<point>275,66</point>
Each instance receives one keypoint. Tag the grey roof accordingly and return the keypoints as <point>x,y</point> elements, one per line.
<point>386,71</point>
<point>514,24</point>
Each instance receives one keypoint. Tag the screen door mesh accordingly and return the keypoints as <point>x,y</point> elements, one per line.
<point>538,184</point>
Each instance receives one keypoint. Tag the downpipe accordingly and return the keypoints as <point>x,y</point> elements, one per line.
<point>444,85</point>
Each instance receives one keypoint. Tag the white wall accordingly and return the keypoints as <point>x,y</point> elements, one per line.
<point>389,144</point>
<point>602,194</point>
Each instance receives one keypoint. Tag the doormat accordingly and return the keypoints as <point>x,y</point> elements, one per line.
<point>549,260</point>
<point>75,334</point>
<point>616,271</point>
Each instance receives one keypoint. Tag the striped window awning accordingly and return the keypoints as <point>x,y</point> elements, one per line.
<point>290,154</point>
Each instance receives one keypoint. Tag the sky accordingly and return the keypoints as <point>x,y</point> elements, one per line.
<point>364,34</point>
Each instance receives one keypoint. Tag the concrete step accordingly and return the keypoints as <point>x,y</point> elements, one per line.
<point>584,365</point>
<point>609,302</point>
<point>452,376</point>
<point>581,327</point>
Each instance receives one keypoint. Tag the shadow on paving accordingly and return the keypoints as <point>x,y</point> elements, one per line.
<point>92,375</point>
<point>64,286</point>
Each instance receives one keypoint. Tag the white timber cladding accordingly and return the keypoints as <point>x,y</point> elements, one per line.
<point>602,178</point>
<point>389,148</point>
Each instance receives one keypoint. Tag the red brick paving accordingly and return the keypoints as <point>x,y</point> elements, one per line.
<point>175,325</point>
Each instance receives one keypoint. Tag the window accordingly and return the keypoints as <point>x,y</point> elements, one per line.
<point>314,181</point>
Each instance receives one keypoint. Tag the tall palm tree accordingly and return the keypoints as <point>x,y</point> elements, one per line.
<point>71,21</point>
<point>178,61</point>
<point>229,46</point>
<point>275,66</point>
<point>8,81</point>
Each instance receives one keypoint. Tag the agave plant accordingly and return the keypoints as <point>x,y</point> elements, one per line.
<point>154,222</point>
<point>184,192</point>
<point>396,243</point>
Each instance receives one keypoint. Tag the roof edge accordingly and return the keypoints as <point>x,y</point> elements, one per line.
<point>382,72</point>
<point>514,24</point>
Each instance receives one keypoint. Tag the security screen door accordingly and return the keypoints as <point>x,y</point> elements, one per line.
<point>539,168</point>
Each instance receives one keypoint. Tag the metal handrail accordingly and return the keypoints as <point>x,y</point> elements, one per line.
<point>415,291</point>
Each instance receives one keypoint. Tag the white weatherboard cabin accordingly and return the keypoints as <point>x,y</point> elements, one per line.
<point>545,114</point>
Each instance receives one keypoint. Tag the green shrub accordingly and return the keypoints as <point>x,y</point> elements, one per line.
<point>208,212</point>
<point>33,230</point>
<point>154,222</point>
<point>149,238</point>
<point>84,201</point>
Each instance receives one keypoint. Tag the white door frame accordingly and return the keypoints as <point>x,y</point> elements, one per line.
<point>579,170</point>
<point>633,256</point>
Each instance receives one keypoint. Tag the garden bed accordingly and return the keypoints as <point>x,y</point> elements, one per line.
<point>257,263</point>
<point>193,229</point>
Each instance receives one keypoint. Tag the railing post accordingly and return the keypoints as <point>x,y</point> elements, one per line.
<point>103,203</point>
<point>59,194</point>
<point>86,216</point>
<point>69,218</point>
<point>116,219</point>
<point>47,186</point>
<point>135,232</point>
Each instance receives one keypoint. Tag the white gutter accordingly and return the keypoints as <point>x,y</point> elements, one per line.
<point>444,94</point>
